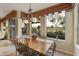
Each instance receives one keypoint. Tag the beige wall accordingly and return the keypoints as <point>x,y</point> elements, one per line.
<point>75,23</point>
<point>67,45</point>
<point>76,29</point>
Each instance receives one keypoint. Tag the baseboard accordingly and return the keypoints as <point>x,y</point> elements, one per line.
<point>72,54</point>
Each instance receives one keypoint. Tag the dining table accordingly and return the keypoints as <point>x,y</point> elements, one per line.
<point>39,45</point>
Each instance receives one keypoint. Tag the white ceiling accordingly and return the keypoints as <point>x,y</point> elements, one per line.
<point>5,8</point>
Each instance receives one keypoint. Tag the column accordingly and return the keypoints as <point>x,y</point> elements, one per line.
<point>76,25</point>
<point>76,29</point>
<point>29,29</point>
<point>69,29</point>
<point>18,24</point>
<point>43,27</point>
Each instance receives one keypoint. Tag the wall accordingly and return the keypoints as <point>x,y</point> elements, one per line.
<point>76,29</point>
<point>67,45</point>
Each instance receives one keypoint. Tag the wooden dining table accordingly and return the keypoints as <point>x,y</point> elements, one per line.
<point>37,45</point>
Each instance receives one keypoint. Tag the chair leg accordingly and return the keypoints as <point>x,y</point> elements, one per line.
<point>53,53</point>
<point>54,49</point>
<point>16,53</point>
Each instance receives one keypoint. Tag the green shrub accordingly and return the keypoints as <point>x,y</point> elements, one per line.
<point>60,34</point>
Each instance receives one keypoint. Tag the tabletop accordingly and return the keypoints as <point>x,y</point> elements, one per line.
<point>38,45</point>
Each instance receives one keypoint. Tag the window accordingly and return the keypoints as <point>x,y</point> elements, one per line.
<point>12,27</point>
<point>36,26</point>
<point>4,23</point>
<point>24,29</point>
<point>56,25</point>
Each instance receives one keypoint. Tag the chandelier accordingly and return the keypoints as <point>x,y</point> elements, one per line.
<point>30,16</point>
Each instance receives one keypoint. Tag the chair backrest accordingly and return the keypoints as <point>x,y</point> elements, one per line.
<point>16,42</point>
<point>17,45</point>
<point>53,45</point>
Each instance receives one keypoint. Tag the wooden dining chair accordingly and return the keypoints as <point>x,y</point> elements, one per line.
<point>17,46</point>
<point>52,48</point>
<point>21,49</point>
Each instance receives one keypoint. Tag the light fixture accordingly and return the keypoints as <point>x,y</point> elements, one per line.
<point>30,16</point>
<point>25,21</point>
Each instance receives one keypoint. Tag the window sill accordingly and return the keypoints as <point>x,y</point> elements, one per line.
<point>54,39</point>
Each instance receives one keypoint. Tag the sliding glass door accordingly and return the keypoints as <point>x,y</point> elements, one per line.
<point>12,28</point>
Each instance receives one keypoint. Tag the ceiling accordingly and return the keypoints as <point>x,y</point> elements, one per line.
<point>5,8</point>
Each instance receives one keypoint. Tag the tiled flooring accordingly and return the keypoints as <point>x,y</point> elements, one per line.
<point>58,53</point>
<point>6,48</point>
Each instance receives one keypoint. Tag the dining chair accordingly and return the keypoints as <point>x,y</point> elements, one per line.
<point>52,48</point>
<point>17,46</point>
<point>24,50</point>
<point>21,49</point>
